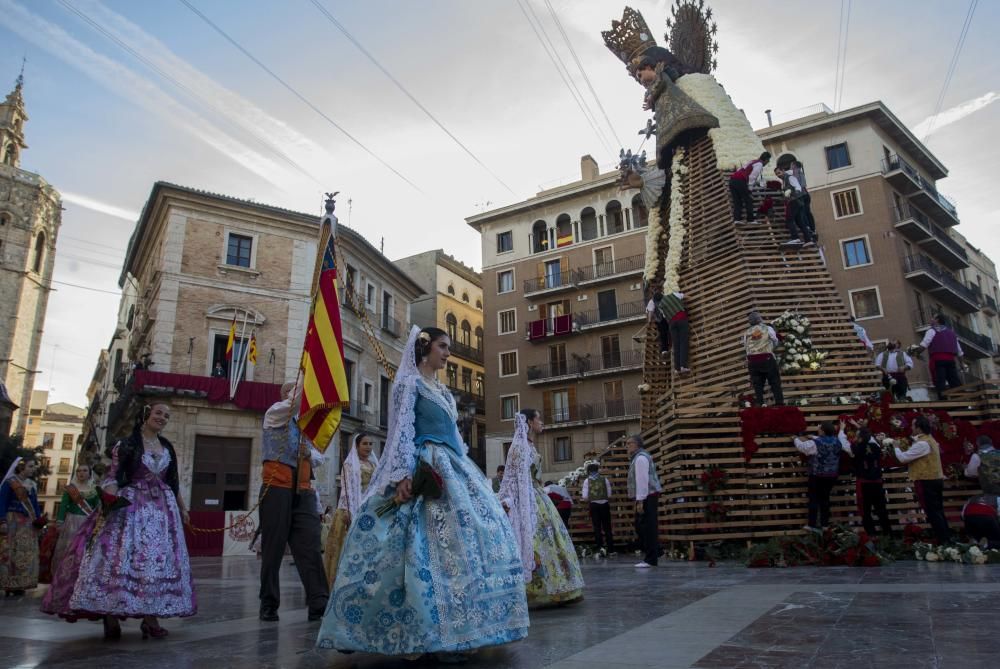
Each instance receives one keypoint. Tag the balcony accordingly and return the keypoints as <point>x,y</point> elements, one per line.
<point>583,366</point>
<point>554,282</point>
<point>990,305</point>
<point>931,277</point>
<point>545,328</point>
<point>907,180</point>
<point>465,397</point>
<point>975,346</point>
<point>611,270</point>
<point>947,250</point>
<point>608,411</point>
<point>912,223</point>
<point>614,315</point>
<point>467,352</point>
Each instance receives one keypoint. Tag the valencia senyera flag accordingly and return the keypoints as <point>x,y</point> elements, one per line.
<point>324,376</point>
<point>232,339</point>
<point>252,351</point>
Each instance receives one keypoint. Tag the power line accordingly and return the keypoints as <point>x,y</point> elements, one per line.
<point>554,57</point>
<point>155,68</point>
<point>569,43</point>
<point>295,92</point>
<point>76,285</point>
<point>951,66</point>
<point>405,92</point>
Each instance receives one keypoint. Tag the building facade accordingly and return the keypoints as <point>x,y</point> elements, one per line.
<point>888,234</point>
<point>196,264</point>
<point>57,428</point>
<point>454,303</point>
<point>564,305</point>
<point>30,216</point>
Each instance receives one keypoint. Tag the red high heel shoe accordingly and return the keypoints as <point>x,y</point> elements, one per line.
<point>150,631</point>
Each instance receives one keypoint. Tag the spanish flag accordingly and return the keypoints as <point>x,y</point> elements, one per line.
<point>232,339</point>
<point>252,351</point>
<point>324,376</point>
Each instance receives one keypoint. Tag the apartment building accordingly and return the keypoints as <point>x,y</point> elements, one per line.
<point>888,233</point>
<point>56,428</point>
<point>454,303</point>
<point>564,301</point>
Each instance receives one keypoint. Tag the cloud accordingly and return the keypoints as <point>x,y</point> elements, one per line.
<point>932,124</point>
<point>101,207</point>
<point>133,87</point>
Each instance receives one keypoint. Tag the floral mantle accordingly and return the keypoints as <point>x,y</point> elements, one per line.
<point>798,353</point>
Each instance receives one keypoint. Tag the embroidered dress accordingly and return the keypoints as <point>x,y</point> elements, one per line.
<point>342,518</point>
<point>432,575</point>
<point>136,563</point>
<point>19,543</point>
<point>73,512</point>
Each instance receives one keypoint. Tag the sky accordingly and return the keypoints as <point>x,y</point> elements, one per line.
<point>464,111</point>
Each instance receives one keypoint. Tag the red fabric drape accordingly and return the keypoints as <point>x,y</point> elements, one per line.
<point>251,395</point>
<point>768,420</point>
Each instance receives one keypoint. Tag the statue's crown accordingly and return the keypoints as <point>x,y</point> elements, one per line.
<point>630,37</point>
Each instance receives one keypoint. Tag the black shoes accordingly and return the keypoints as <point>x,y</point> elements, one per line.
<point>315,615</point>
<point>269,615</point>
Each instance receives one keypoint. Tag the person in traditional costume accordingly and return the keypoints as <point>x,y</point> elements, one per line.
<point>984,465</point>
<point>759,341</point>
<point>355,475</point>
<point>749,176</point>
<point>923,461</point>
<point>130,560</point>
<point>823,454</point>
<point>430,563</point>
<point>289,512</point>
<point>946,353</point>
<point>644,490</point>
<point>551,568</point>
<point>19,524</point>
<point>894,363</point>
<point>795,219</point>
<point>596,491</point>
<point>79,499</point>
<point>869,489</point>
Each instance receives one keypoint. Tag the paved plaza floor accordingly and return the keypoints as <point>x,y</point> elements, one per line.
<point>678,615</point>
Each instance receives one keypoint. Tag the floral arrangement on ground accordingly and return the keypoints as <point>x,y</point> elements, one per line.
<point>797,353</point>
<point>580,472</point>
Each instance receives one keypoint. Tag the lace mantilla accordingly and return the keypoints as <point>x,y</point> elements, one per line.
<point>517,493</point>
<point>350,479</point>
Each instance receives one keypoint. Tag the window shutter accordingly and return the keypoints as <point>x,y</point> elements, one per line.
<point>564,271</point>
<point>541,274</point>
<point>571,395</point>
<point>547,406</point>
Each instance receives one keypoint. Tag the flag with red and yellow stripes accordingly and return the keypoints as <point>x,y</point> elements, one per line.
<point>324,375</point>
<point>252,350</point>
<point>232,339</point>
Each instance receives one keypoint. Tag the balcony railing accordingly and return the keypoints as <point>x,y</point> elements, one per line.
<point>556,326</point>
<point>467,352</point>
<point>982,342</point>
<point>942,200</point>
<point>924,264</point>
<point>466,396</point>
<point>895,162</point>
<point>548,282</point>
<point>989,303</point>
<point>584,365</point>
<point>628,310</point>
<point>608,410</point>
<point>918,185</point>
<point>611,268</point>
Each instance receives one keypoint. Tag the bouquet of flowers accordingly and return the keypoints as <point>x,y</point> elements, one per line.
<point>426,483</point>
<point>713,478</point>
<point>798,353</point>
<point>110,502</point>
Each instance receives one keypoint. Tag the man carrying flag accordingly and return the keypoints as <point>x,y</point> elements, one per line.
<point>288,510</point>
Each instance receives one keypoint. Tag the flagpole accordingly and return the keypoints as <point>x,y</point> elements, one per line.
<point>234,381</point>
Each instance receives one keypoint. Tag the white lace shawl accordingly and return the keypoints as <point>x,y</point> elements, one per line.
<point>516,491</point>
<point>398,456</point>
<point>350,479</point>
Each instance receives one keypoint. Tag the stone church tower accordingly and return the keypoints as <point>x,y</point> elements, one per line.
<point>30,215</point>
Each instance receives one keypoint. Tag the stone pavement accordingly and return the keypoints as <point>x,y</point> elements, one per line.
<point>679,615</point>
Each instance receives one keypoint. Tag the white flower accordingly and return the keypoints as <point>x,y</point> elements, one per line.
<point>800,329</point>
<point>814,366</point>
<point>931,556</point>
<point>643,387</point>
<point>974,551</point>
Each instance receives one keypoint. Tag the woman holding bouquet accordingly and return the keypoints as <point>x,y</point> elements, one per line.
<point>355,475</point>
<point>20,518</point>
<point>429,564</point>
<point>551,569</point>
<point>130,560</point>
<point>79,499</point>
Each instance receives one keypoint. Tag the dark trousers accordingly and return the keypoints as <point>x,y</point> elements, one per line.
<point>765,370</point>
<point>819,499</point>
<point>796,223</point>
<point>945,376</point>
<point>899,388</point>
<point>871,499</point>
<point>930,494</point>
<point>647,526</point>
<point>565,514</point>
<point>291,519</point>
<point>984,527</point>
<point>679,333</point>
<point>740,191</point>
<point>663,329</point>
<point>807,214</point>
<point>600,516</point>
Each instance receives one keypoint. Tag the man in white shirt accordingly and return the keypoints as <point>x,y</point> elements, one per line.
<point>644,487</point>
<point>597,491</point>
<point>923,462</point>
<point>798,229</point>
<point>741,181</point>
<point>894,364</point>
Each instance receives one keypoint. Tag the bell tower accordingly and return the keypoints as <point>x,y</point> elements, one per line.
<point>30,216</point>
<point>12,118</point>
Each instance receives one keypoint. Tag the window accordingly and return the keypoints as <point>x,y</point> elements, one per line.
<point>553,273</point>
<point>614,217</point>
<point>604,261</point>
<point>611,353</point>
<point>507,321</point>
<point>560,406</point>
<point>505,281</point>
<point>557,359</point>
<point>238,250</point>
<point>508,363</point>
<point>349,376</point>
<point>509,405</point>
<point>614,398</point>
<point>465,297</point>
<point>452,371</point>
<point>865,303</point>
<point>466,333</point>
<point>505,241</point>
<point>855,252</point>
<point>837,156</point>
<point>61,485</point>
<point>480,384</point>
<point>846,203</point>
<point>63,466</point>
<point>588,224</point>
<point>219,353</point>
<point>370,296</point>
<point>640,215</point>
<point>466,380</point>
<point>383,401</point>
<point>615,435</point>
<point>451,289</point>
<point>43,485</point>
<point>562,449</point>
<point>479,338</point>
<point>479,303</point>
<point>36,266</point>
<point>67,442</point>
<point>49,440</point>
<point>539,237</point>
<point>367,394</point>
<point>451,325</point>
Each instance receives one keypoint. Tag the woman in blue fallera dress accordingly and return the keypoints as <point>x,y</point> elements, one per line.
<point>430,575</point>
